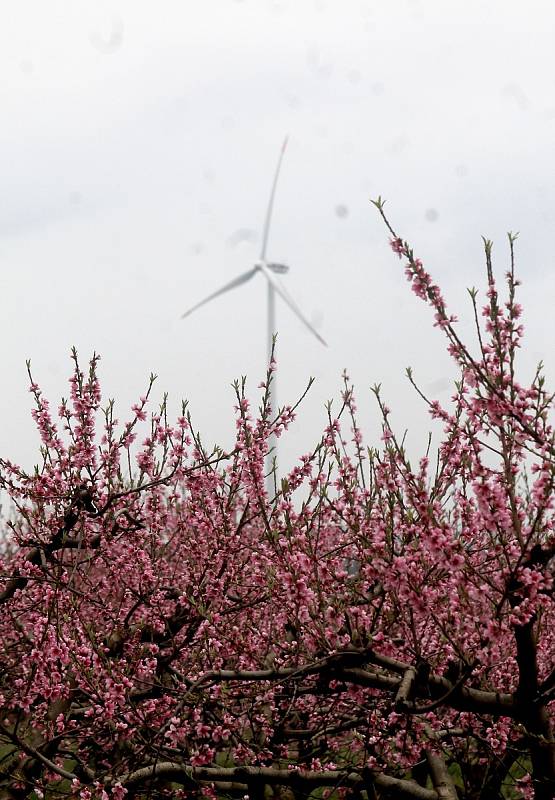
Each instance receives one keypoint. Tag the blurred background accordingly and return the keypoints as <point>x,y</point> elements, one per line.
<point>137,146</point>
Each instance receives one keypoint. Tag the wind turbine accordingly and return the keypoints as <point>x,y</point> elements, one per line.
<point>268,269</point>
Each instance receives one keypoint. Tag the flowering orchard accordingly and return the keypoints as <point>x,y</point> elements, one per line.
<point>374,628</point>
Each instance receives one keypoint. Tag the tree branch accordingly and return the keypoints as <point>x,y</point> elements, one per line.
<point>183,773</point>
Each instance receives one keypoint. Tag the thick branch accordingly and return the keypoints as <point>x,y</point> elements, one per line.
<point>185,774</point>
<point>534,715</point>
<point>439,688</point>
<point>465,699</point>
<point>442,781</point>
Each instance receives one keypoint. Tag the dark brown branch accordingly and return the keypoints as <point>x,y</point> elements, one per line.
<point>533,715</point>
<point>466,699</point>
<point>439,688</point>
<point>35,555</point>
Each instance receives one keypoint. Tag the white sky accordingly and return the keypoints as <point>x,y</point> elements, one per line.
<point>136,138</point>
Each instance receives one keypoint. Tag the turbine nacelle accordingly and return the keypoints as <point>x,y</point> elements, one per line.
<point>279,269</point>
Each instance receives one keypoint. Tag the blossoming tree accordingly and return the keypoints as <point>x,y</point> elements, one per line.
<point>374,628</point>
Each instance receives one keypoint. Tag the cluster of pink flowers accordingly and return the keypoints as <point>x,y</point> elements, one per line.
<point>369,625</point>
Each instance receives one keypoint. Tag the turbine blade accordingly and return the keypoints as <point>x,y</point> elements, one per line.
<point>271,203</point>
<point>286,297</point>
<point>238,281</point>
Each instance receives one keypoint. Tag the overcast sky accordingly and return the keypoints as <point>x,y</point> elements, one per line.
<point>137,146</point>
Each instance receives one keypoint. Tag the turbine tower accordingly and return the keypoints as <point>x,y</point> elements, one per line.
<point>269,269</point>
